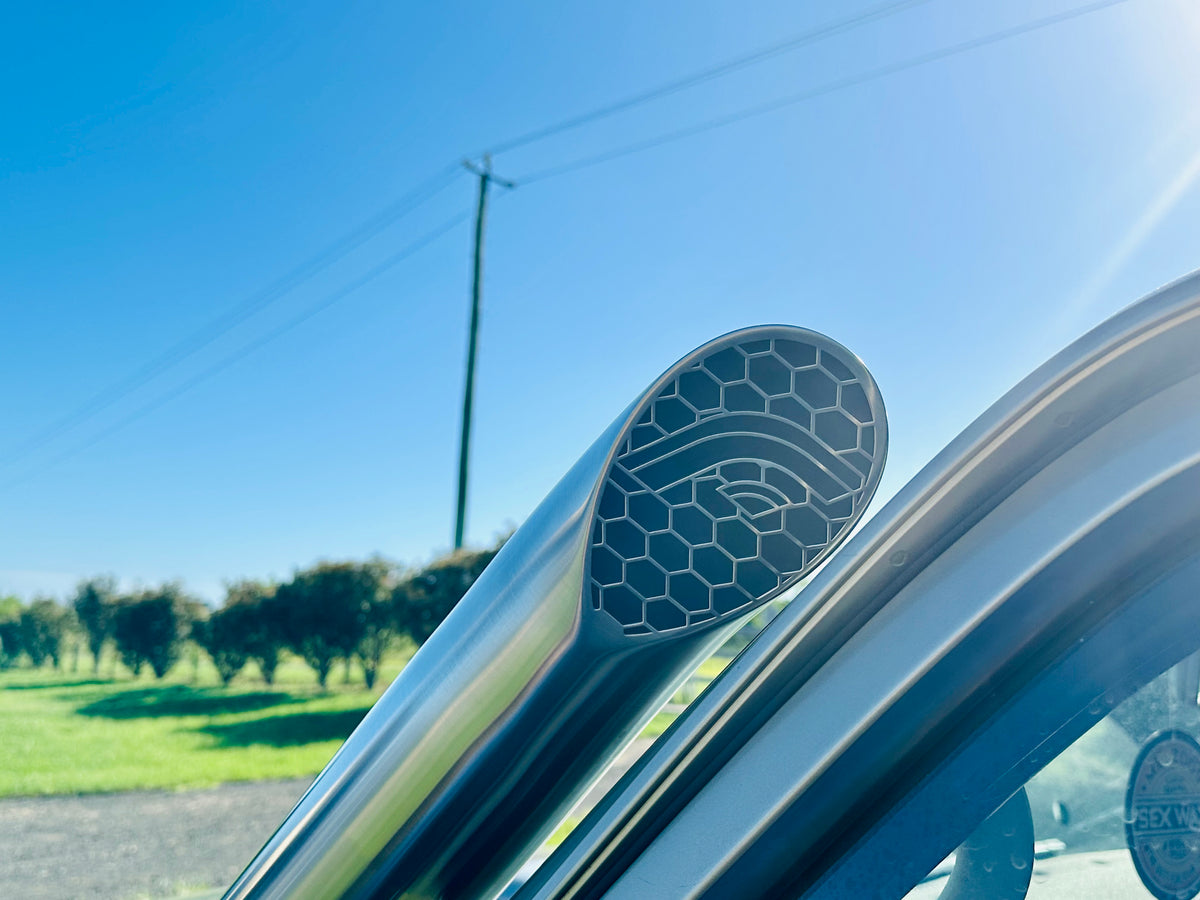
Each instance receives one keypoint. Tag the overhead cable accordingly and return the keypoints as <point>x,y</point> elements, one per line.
<point>819,91</point>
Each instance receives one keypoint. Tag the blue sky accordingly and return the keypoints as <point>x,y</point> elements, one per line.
<point>162,164</point>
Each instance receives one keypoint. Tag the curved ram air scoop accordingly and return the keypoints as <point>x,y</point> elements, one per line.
<point>738,471</point>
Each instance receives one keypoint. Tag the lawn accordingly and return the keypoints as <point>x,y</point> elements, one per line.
<point>71,732</point>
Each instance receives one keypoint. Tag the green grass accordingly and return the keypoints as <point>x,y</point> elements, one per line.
<point>74,733</point>
<point>67,733</point>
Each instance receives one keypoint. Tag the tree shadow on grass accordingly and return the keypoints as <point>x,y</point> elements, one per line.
<point>181,700</point>
<point>43,685</point>
<point>288,731</point>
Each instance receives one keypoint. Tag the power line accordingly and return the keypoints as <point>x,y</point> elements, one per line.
<point>672,87</point>
<point>245,350</point>
<point>385,217</point>
<point>813,93</point>
<point>225,322</point>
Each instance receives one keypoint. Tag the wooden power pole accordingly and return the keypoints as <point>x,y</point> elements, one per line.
<point>486,177</point>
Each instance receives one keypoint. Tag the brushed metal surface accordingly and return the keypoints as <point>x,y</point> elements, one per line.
<point>735,474</point>
<point>1105,436</point>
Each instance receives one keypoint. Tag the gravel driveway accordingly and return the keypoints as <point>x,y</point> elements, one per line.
<point>155,843</point>
<point>141,844</point>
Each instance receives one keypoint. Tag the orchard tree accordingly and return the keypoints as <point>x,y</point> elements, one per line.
<point>380,624</point>
<point>324,611</point>
<point>43,626</point>
<point>94,603</point>
<point>150,628</point>
<point>221,637</point>
<point>251,612</point>
<point>425,599</point>
<point>10,632</point>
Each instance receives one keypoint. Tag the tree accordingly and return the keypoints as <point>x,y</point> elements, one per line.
<point>249,607</point>
<point>43,625</point>
<point>95,600</point>
<point>10,632</point>
<point>424,600</point>
<point>323,611</point>
<point>221,636</point>
<point>151,627</point>
<point>380,625</point>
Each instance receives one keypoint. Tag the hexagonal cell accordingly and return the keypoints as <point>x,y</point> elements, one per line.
<point>607,567</point>
<point>838,509</point>
<point>649,511</point>
<point>622,604</point>
<point>867,441</point>
<point>728,365</point>
<point>816,389</point>
<point>737,539</point>
<point>612,502</point>
<point>835,366</point>
<point>645,434</point>
<point>646,578</point>
<point>679,494</point>
<point>797,354</point>
<point>727,599</point>
<point>626,538</point>
<point>689,592</point>
<point>770,376</point>
<point>668,391</point>
<point>755,578</point>
<point>752,347</point>
<point>626,482</point>
<point>671,414</point>
<point>806,525</point>
<point>791,409</point>
<point>764,523</point>
<point>744,398</point>
<point>836,429</point>
<point>698,388</point>
<point>595,596</point>
<point>786,483</point>
<point>712,501</point>
<point>669,552</point>
<point>741,471</point>
<point>692,524</point>
<point>663,615</point>
<point>854,401</point>
<point>598,531</point>
<point>752,504</point>
<point>782,553</point>
<point>712,565</point>
<point>859,460</point>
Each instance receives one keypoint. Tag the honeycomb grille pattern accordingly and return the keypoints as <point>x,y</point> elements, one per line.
<point>743,469</point>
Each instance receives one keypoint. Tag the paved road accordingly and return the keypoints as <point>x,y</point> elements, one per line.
<point>146,843</point>
<point>154,843</point>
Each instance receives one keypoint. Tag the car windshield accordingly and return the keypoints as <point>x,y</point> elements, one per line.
<point>1081,809</point>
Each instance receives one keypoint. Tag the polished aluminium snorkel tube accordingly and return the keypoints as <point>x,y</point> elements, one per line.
<point>1070,492</point>
<point>735,474</point>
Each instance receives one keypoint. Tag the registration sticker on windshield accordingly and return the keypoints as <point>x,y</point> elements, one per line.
<point>1162,815</point>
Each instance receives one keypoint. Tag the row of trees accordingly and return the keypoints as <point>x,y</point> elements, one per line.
<point>347,611</point>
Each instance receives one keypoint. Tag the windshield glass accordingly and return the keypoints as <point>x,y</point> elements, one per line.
<point>1089,823</point>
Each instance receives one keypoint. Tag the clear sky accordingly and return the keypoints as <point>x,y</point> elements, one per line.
<point>174,176</point>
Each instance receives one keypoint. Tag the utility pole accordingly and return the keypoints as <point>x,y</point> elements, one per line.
<point>486,177</point>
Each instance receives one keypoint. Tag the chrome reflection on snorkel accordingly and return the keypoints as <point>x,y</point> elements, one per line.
<point>735,474</point>
<point>1069,509</point>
